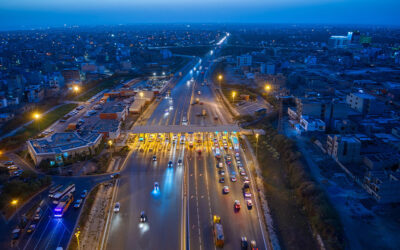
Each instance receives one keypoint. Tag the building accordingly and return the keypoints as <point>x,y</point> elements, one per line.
<point>346,149</point>
<point>136,106</point>
<point>381,161</point>
<point>384,186</point>
<point>71,76</point>
<point>109,128</point>
<point>114,112</point>
<point>311,125</point>
<point>244,60</point>
<point>365,103</point>
<point>62,146</point>
<point>338,42</point>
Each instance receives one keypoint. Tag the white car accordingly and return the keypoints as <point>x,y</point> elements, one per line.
<point>117,207</point>
<point>225,190</point>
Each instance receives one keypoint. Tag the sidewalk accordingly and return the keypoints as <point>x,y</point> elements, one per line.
<point>92,232</point>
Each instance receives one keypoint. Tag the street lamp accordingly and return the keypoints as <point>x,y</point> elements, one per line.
<point>154,73</point>
<point>76,88</point>
<point>37,116</point>
<point>14,203</point>
<point>233,96</point>
<point>219,80</point>
<point>257,145</point>
<point>77,237</point>
<point>267,87</point>
<point>141,94</point>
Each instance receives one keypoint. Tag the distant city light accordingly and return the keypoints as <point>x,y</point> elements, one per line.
<point>36,116</point>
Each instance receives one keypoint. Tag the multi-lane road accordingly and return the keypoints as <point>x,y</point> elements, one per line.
<point>180,214</point>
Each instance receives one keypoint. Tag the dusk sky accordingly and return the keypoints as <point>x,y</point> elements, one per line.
<point>43,13</point>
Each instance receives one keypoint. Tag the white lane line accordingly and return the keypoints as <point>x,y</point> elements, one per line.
<point>62,235</point>
<point>255,200</point>
<point>197,202</point>
<point>37,226</point>
<point>40,238</point>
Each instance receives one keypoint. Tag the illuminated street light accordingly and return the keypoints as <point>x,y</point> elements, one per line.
<point>36,116</point>
<point>75,88</point>
<point>154,74</point>
<point>257,145</point>
<point>163,73</point>
<point>14,203</point>
<point>141,94</point>
<point>233,96</point>
<point>267,87</point>
<point>110,142</point>
<point>220,77</point>
<point>77,237</point>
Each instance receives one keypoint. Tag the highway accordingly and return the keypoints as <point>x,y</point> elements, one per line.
<point>180,214</point>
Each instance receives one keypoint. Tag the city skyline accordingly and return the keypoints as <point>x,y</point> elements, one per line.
<point>43,13</point>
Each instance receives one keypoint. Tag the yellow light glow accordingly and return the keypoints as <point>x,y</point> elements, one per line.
<point>220,77</point>
<point>36,116</point>
<point>110,142</point>
<point>233,94</point>
<point>14,202</point>
<point>76,88</point>
<point>141,94</point>
<point>267,87</point>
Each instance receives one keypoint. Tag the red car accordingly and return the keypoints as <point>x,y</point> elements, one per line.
<point>236,205</point>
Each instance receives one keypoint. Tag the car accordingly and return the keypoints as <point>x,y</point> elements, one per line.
<point>84,194</point>
<point>78,203</point>
<point>63,120</point>
<point>243,243</point>
<point>180,162</point>
<point>16,233</point>
<point>249,204</point>
<point>236,205</point>
<point>222,180</point>
<point>225,190</point>
<point>238,162</point>
<point>156,186</point>
<point>9,163</point>
<point>170,164</point>
<point>253,245</point>
<point>221,172</point>
<point>143,217</point>
<point>31,228</point>
<point>220,165</point>
<point>242,173</point>
<point>115,175</point>
<point>38,214</point>
<point>233,179</point>
<point>117,207</point>
<point>245,178</point>
<point>154,158</point>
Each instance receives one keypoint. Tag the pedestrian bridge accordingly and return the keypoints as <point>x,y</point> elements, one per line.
<point>184,129</point>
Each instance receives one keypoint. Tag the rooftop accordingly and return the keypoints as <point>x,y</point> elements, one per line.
<point>61,142</point>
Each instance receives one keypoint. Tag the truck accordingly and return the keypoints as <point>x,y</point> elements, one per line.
<point>218,231</point>
<point>246,190</point>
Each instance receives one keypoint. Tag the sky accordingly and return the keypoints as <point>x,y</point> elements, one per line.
<point>17,14</point>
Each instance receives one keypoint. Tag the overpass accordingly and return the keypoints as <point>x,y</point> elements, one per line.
<point>184,129</point>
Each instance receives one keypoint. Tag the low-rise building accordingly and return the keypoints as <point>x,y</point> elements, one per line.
<point>310,124</point>
<point>365,103</point>
<point>114,112</point>
<point>384,186</point>
<point>61,146</point>
<point>346,149</point>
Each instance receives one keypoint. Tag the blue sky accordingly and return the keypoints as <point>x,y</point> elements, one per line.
<point>43,13</point>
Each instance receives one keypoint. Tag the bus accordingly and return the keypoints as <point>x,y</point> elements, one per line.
<point>54,189</point>
<point>63,205</point>
<point>235,142</point>
<point>59,195</point>
<point>218,232</point>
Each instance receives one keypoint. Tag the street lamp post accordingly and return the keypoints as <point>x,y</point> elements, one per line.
<point>233,96</point>
<point>257,146</point>
<point>36,117</point>
<point>14,203</point>
<point>110,143</point>
<point>77,237</point>
<point>219,81</point>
